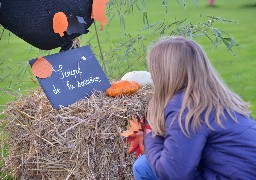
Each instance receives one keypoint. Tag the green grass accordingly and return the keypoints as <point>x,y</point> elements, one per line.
<point>237,71</point>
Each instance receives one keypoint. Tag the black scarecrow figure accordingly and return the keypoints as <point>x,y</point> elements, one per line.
<point>32,20</point>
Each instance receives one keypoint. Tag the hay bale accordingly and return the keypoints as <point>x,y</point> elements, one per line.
<point>81,141</point>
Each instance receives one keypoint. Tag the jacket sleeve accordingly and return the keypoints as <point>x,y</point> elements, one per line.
<point>175,156</point>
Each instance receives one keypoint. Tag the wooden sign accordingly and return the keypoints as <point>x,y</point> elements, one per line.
<point>76,74</point>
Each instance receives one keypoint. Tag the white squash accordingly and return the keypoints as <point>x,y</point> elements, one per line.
<point>143,78</point>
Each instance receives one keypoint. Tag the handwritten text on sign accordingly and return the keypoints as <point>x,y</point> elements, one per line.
<point>76,74</point>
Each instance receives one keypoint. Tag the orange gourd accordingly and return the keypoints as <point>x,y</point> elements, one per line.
<point>123,88</point>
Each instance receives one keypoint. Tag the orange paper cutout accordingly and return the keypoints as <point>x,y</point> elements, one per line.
<point>60,23</point>
<point>98,12</point>
<point>42,68</point>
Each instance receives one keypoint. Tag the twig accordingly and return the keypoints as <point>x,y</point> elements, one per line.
<point>101,53</point>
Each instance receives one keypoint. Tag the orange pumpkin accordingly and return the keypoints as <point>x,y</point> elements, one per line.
<point>123,87</point>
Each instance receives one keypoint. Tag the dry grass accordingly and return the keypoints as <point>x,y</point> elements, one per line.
<point>81,141</point>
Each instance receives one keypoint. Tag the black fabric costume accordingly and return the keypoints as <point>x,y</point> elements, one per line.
<point>32,20</point>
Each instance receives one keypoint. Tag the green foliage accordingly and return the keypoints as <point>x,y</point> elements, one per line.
<point>126,48</point>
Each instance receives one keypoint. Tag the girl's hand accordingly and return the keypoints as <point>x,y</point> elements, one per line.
<point>147,129</point>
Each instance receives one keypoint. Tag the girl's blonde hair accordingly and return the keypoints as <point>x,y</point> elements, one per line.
<point>177,63</point>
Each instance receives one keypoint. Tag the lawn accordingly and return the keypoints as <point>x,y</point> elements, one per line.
<point>126,37</point>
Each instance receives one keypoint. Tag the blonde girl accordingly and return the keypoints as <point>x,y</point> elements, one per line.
<point>200,128</point>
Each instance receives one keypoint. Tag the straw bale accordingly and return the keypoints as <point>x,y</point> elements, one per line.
<point>81,141</point>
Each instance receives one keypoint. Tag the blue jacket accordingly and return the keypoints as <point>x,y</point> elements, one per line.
<point>222,153</point>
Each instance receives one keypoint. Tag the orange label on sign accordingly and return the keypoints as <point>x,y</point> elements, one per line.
<point>42,68</point>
